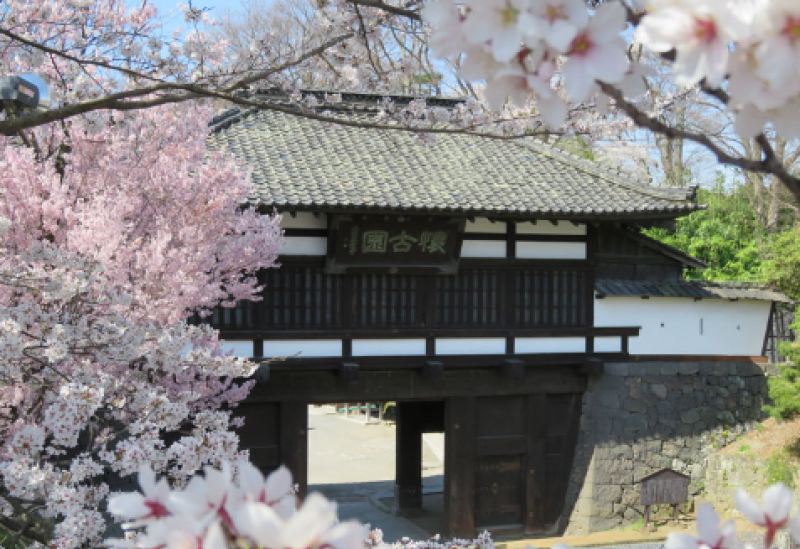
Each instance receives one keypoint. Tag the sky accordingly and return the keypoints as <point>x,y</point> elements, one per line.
<point>217,8</point>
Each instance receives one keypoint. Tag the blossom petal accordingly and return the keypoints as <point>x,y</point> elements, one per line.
<point>748,507</point>
<point>777,502</point>
<point>681,541</point>
<point>279,484</point>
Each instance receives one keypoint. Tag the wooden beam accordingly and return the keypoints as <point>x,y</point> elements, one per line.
<point>513,368</point>
<point>394,385</point>
<point>433,369</point>
<point>348,371</point>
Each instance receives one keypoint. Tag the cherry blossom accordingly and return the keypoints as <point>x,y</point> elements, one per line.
<point>709,533</point>
<point>215,508</point>
<point>596,53</point>
<point>772,515</point>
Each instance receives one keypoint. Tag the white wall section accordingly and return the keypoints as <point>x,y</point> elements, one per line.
<point>303,348</point>
<point>682,326</point>
<point>305,245</point>
<point>471,346</point>
<point>551,250</point>
<point>240,348</point>
<point>546,227</point>
<point>483,225</point>
<point>304,220</point>
<point>388,347</point>
<point>541,345</point>
<point>608,344</point>
<point>483,248</point>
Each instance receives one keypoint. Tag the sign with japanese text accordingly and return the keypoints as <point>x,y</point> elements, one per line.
<point>401,244</point>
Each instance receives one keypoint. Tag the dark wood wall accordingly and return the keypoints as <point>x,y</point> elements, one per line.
<point>625,255</point>
<point>485,293</point>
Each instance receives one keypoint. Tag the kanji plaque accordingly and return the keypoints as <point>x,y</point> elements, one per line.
<point>382,244</point>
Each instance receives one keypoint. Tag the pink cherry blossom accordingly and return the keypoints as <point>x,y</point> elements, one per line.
<point>596,53</point>
<point>151,504</point>
<point>700,31</point>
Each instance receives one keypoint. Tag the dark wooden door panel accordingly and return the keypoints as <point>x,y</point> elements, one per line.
<point>260,433</point>
<point>499,491</point>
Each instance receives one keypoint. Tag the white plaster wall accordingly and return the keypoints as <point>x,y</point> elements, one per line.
<point>546,227</point>
<point>551,250</point>
<point>671,326</point>
<point>305,245</point>
<point>483,225</point>
<point>535,345</point>
<point>483,248</point>
<point>608,344</point>
<point>304,220</point>
<point>303,348</point>
<point>471,346</point>
<point>388,347</point>
<point>239,348</point>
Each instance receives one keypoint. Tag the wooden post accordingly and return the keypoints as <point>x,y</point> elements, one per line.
<point>535,462</point>
<point>408,482</point>
<point>294,442</point>
<point>459,455</point>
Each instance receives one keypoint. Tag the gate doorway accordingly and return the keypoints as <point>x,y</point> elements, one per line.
<point>387,471</point>
<point>510,435</point>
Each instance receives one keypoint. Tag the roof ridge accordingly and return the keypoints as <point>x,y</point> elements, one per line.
<point>615,177</point>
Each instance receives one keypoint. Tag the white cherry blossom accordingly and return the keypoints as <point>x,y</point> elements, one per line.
<point>556,22</point>
<point>699,30</point>
<point>499,22</point>
<point>772,514</point>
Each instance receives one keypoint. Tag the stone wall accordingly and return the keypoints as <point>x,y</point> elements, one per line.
<point>724,474</point>
<point>639,417</point>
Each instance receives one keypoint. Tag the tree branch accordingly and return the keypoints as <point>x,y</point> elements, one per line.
<point>379,4</point>
<point>768,164</point>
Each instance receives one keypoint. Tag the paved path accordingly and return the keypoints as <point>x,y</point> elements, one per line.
<point>354,465</point>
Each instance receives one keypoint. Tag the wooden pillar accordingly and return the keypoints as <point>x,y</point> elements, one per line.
<point>535,463</point>
<point>408,463</point>
<point>459,455</point>
<point>294,442</point>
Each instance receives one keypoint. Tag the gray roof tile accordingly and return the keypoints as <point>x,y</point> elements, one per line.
<point>708,289</point>
<point>298,162</point>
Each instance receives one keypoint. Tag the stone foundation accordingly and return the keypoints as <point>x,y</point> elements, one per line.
<point>639,417</point>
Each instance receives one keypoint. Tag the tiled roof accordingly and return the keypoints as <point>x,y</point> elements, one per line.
<point>706,289</point>
<point>306,164</point>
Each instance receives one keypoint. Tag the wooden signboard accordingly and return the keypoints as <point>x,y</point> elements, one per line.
<point>396,245</point>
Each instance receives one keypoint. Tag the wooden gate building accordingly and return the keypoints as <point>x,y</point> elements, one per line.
<point>477,282</point>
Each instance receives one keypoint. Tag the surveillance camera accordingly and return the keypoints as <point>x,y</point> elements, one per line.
<point>16,91</point>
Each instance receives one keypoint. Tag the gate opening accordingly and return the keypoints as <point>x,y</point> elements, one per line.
<point>383,463</point>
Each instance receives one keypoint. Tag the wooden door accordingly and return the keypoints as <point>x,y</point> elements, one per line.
<point>507,461</point>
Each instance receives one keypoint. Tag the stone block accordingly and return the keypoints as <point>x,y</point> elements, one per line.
<point>609,493</point>
<point>608,400</point>
<point>688,368</point>
<point>690,416</point>
<point>686,402</point>
<point>659,390</point>
<point>671,449</point>
<point>634,405</point>
<point>668,368</point>
<point>618,369</point>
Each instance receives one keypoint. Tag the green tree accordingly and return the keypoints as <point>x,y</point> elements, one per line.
<point>727,235</point>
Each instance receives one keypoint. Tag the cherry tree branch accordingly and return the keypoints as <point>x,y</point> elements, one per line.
<point>379,4</point>
<point>769,162</point>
